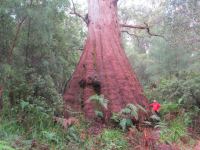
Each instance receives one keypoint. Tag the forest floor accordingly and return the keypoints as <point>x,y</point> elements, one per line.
<point>152,141</point>
<point>32,132</point>
<point>92,137</point>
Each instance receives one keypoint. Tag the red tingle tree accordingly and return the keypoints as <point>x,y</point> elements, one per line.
<point>103,67</point>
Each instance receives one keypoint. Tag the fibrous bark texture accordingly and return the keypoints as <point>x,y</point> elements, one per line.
<point>103,67</point>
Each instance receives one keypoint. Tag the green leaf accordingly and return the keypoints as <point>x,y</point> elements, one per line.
<point>100,100</point>
<point>131,106</point>
<point>115,117</point>
<point>141,108</point>
<point>129,122</point>
<point>126,110</point>
<point>24,104</point>
<point>5,146</point>
<point>134,114</point>
<point>123,124</point>
<point>93,97</point>
<point>180,100</point>
<point>99,113</point>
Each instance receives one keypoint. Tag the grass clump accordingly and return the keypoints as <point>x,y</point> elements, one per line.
<point>112,139</point>
<point>174,131</point>
<point>109,139</point>
<point>5,146</point>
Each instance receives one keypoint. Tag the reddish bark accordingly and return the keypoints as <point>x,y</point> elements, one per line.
<point>103,67</point>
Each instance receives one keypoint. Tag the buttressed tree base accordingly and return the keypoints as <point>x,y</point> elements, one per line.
<point>103,67</point>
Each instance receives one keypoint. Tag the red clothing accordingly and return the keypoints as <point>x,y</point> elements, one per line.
<point>155,105</point>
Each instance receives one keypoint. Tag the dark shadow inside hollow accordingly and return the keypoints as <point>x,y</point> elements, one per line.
<point>92,83</point>
<point>96,85</point>
<point>82,83</point>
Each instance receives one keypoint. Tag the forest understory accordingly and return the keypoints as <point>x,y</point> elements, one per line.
<point>29,126</point>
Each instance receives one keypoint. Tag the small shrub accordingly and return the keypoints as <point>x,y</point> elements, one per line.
<point>126,116</point>
<point>169,107</point>
<point>184,87</point>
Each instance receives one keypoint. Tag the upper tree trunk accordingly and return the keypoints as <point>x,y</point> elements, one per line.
<point>103,67</point>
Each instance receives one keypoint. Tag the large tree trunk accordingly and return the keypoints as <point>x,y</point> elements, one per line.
<point>103,67</point>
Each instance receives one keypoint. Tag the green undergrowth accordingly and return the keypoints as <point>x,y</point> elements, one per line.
<point>179,98</point>
<point>174,131</point>
<point>52,136</point>
<point>5,146</point>
<point>109,139</point>
<point>30,125</point>
<point>33,128</point>
<point>13,135</point>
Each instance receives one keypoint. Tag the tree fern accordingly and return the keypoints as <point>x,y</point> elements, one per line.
<point>141,108</point>
<point>100,100</point>
<point>125,122</point>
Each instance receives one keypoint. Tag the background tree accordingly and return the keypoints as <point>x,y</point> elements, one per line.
<point>37,50</point>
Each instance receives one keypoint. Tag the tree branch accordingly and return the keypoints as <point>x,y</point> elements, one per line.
<point>142,27</point>
<point>149,32</point>
<point>85,19</point>
<point>131,34</point>
<point>14,42</point>
<point>134,26</point>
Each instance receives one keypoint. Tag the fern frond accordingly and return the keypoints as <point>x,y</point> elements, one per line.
<point>141,108</point>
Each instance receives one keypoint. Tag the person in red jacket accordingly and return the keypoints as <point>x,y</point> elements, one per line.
<point>155,107</point>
